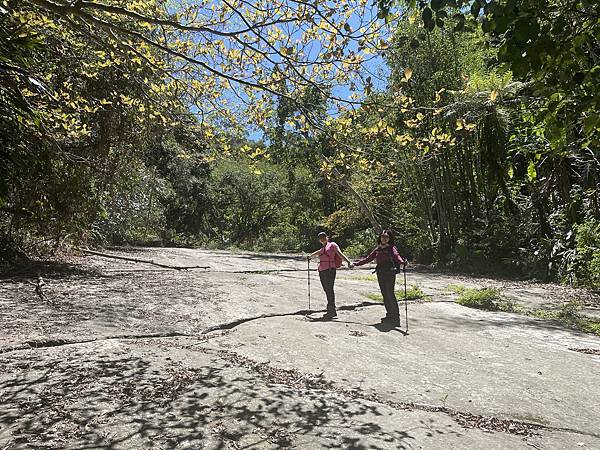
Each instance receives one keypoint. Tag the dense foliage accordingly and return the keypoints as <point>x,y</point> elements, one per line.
<point>479,145</point>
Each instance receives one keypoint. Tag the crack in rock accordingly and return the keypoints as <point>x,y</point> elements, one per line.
<point>302,312</point>
<point>33,344</point>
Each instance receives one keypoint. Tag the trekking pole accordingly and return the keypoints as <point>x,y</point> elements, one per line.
<point>308,277</point>
<point>405,298</point>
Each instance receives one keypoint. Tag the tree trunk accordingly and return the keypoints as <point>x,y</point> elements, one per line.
<point>361,201</point>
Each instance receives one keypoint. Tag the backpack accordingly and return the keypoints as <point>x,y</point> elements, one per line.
<point>338,261</point>
<point>397,268</point>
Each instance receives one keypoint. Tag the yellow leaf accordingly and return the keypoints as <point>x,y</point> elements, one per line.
<point>408,73</point>
<point>494,95</point>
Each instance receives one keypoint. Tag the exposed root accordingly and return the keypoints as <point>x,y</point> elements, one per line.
<point>61,342</point>
<point>167,266</point>
<point>39,289</point>
<point>143,261</point>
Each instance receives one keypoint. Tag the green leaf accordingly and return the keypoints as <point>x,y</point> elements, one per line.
<point>501,24</point>
<point>487,26</point>
<point>524,30</point>
<point>383,13</point>
<point>591,123</point>
<point>427,15</point>
<point>460,25</point>
<point>531,171</point>
<point>436,5</point>
<point>578,77</point>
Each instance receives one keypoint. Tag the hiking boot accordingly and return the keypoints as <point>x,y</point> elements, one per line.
<point>330,315</point>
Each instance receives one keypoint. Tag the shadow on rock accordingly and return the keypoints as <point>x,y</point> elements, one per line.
<point>218,400</point>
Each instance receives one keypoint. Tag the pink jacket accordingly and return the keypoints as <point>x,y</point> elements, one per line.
<point>327,256</point>
<point>382,257</point>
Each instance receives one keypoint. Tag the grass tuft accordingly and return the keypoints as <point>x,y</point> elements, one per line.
<point>456,288</point>
<point>366,277</point>
<point>489,299</point>
<point>569,316</point>
<point>412,293</point>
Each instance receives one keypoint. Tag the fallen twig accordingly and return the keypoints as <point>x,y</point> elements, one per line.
<point>588,351</point>
<point>39,289</point>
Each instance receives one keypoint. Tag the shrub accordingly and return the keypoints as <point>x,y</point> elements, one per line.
<point>587,240</point>
<point>569,316</point>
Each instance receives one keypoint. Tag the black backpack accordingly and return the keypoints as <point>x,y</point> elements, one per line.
<point>397,268</point>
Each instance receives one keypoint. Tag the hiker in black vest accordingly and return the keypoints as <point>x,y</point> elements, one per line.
<point>330,259</point>
<point>389,263</point>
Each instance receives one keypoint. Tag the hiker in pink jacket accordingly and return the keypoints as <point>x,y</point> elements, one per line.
<point>389,263</point>
<point>330,259</point>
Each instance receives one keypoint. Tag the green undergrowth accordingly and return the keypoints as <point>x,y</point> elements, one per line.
<point>412,293</point>
<point>365,277</point>
<point>491,299</point>
<point>569,315</point>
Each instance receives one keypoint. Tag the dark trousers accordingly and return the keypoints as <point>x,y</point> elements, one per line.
<point>387,283</point>
<point>327,278</point>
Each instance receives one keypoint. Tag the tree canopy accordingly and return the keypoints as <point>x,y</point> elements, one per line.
<point>469,126</point>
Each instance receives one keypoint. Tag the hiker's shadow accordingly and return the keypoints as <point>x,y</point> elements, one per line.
<point>382,327</point>
<point>386,328</point>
